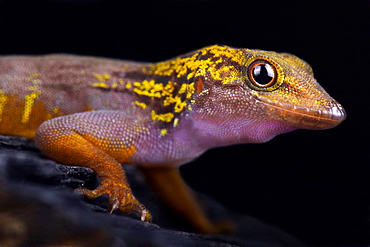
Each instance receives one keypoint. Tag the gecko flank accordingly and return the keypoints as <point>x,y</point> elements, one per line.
<point>100,113</point>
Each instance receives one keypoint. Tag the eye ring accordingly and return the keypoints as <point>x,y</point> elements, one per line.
<point>262,74</point>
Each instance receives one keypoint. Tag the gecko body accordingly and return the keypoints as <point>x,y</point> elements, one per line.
<point>100,113</point>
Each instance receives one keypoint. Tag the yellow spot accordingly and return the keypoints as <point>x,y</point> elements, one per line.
<point>166,117</point>
<point>163,132</point>
<point>3,99</point>
<point>29,101</point>
<point>194,66</point>
<point>166,92</point>
<point>128,85</point>
<point>179,106</point>
<point>175,122</point>
<point>141,104</point>
<point>33,78</point>
<point>55,110</point>
<point>83,72</point>
<point>168,89</point>
<point>148,88</point>
<point>100,85</point>
<point>188,89</point>
<point>183,88</point>
<point>104,77</point>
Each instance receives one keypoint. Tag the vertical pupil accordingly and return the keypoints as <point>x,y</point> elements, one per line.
<point>263,74</point>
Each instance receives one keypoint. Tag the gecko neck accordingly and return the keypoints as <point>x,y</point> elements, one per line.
<point>215,133</point>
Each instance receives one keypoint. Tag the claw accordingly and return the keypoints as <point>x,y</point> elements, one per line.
<point>145,215</point>
<point>115,205</point>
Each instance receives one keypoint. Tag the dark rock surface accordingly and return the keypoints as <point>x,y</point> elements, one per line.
<point>38,207</point>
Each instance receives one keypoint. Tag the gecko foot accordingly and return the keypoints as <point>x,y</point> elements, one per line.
<point>120,197</point>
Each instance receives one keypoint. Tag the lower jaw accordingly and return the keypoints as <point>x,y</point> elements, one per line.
<point>307,119</point>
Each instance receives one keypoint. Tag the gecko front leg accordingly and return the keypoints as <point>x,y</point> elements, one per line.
<point>81,139</point>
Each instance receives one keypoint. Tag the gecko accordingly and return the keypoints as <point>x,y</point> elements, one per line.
<point>100,113</point>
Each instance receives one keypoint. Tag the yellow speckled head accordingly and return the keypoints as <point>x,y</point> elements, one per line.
<point>265,93</point>
<point>289,90</point>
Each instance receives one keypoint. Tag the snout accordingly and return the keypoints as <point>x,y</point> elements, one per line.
<point>321,118</point>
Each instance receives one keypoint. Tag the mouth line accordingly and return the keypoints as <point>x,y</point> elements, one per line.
<point>325,119</point>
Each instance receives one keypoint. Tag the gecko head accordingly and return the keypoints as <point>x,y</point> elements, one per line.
<point>284,86</point>
<point>263,94</point>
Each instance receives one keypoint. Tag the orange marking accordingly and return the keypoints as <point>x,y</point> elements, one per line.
<point>88,108</point>
<point>199,85</point>
<point>12,115</point>
<point>103,157</point>
<point>113,148</point>
<point>84,150</point>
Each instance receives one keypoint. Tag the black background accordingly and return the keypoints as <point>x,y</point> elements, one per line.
<point>312,184</point>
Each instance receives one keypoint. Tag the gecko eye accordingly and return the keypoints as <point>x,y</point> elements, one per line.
<point>262,74</point>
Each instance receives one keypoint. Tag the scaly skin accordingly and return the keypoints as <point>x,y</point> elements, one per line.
<point>99,113</point>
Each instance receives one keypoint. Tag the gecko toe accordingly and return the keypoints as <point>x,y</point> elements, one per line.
<point>120,197</point>
<point>145,215</point>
